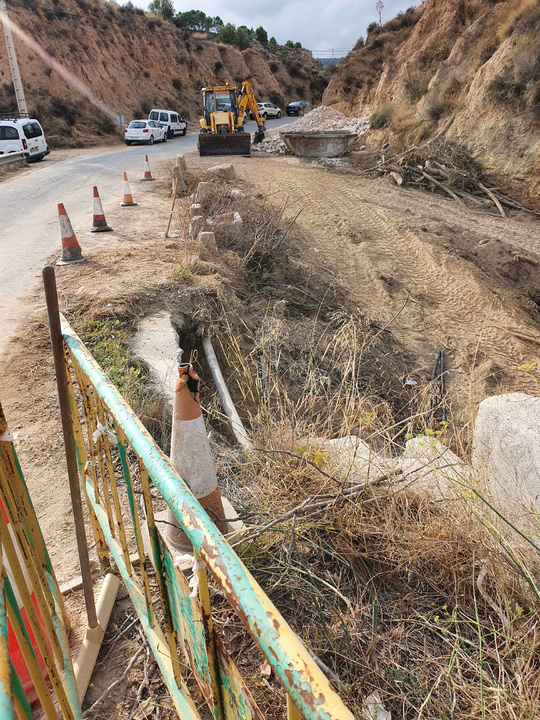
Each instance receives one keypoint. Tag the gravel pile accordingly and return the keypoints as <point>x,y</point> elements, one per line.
<point>321,118</point>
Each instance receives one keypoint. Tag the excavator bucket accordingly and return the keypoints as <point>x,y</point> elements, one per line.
<point>225,144</point>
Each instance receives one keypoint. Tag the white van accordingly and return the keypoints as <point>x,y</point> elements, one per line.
<point>22,134</point>
<point>170,120</point>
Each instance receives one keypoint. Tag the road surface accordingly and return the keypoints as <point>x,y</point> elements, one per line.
<point>29,230</point>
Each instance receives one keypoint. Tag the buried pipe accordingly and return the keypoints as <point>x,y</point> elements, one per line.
<point>235,424</point>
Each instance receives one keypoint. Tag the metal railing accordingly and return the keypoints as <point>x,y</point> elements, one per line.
<point>12,158</point>
<point>34,653</point>
<point>124,474</point>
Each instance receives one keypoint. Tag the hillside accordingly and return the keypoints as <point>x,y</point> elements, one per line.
<point>477,61</point>
<point>133,62</point>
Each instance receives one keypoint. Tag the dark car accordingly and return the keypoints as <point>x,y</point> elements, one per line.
<point>295,107</point>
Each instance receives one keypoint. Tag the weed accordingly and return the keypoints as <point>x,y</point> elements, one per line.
<point>109,342</point>
<point>381,118</point>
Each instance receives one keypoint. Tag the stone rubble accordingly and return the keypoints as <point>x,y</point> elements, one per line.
<point>321,118</point>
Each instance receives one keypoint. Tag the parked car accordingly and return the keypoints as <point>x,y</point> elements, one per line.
<point>170,120</point>
<point>267,110</point>
<point>22,134</point>
<point>294,108</point>
<point>144,131</point>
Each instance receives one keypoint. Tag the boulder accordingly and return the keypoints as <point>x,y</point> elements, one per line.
<point>196,225</point>
<point>225,171</point>
<point>351,458</point>
<point>430,467</point>
<point>506,454</point>
<point>207,240</point>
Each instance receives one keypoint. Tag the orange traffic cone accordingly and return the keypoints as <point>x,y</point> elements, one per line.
<point>147,173</point>
<point>99,224</point>
<point>128,197</point>
<point>71,250</point>
<point>190,454</point>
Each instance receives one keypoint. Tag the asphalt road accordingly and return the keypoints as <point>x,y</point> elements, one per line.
<point>29,230</point>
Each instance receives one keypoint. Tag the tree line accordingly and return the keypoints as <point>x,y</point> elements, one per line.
<point>198,21</point>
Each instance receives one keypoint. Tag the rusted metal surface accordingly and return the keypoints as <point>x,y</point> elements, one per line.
<point>307,686</point>
<point>225,144</point>
<point>323,144</point>
<point>31,598</point>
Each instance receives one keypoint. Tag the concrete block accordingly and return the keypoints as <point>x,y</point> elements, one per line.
<point>207,240</point>
<point>225,171</point>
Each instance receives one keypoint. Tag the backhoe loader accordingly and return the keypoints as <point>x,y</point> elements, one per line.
<point>222,122</point>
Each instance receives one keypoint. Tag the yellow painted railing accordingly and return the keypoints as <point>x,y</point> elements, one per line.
<point>34,655</point>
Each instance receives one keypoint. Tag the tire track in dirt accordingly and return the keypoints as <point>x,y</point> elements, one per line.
<point>452,304</point>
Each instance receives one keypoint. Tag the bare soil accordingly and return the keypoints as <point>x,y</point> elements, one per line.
<point>433,274</point>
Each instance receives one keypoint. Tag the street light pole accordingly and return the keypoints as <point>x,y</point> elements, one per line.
<point>12,58</point>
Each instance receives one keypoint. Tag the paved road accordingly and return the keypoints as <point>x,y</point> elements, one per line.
<point>28,214</point>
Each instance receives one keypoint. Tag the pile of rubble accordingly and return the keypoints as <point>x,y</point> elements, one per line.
<point>321,118</point>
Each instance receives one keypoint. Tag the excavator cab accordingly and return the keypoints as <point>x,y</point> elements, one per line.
<point>222,121</point>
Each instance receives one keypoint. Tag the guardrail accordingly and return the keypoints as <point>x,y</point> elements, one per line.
<point>12,158</point>
<point>117,462</point>
<point>35,661</point>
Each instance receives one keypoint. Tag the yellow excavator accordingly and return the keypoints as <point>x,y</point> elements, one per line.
<point>222,122</point>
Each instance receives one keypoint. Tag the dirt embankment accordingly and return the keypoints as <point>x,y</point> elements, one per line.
<point>475,60</point>
<point>133,63</point>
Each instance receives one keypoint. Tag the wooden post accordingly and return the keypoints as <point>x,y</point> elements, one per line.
<point>60,369</point>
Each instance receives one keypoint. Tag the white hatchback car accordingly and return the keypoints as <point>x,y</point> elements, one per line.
<point>267,110</point>
<point>22,134</point>
<point>144,131</point>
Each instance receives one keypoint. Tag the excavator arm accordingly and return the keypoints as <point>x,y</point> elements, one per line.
<point>246,99</point>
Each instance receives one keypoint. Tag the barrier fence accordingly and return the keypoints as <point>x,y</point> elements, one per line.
<point>35,661</point>
<point>126,479</point>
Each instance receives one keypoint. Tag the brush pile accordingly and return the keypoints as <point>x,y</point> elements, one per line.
<point>320,119</point>
<point>444,169</point>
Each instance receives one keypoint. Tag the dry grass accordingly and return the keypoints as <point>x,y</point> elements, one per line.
<point>420,601</point>
<point>413,599</point>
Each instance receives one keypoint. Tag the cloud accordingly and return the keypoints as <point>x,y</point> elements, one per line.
<point>317,24</point>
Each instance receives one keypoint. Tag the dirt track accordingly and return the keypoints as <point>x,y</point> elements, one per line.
<point>437,274</point>
<point>460,279</point>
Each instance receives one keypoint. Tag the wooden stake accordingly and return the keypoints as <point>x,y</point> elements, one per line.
<point>57,343</point>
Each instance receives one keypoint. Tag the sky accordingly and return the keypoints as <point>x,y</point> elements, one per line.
<point>317,24</point>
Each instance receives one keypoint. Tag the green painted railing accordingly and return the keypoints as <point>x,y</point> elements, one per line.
<point>118,462</point>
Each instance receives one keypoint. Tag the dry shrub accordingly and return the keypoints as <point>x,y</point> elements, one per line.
<point>416,600</point>
<point>420,601</point>
<point>381,118</point>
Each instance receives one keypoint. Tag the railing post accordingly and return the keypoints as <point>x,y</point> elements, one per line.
<point>60,368</point>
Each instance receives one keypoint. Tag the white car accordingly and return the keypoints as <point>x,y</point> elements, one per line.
<point>22,134</point>
<point>170,120</point>
<point>144,131</point>
<point>267,110</point>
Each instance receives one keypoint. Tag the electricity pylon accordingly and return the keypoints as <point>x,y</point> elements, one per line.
<point>12,58</point>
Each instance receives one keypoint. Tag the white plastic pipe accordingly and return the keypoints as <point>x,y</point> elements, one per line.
<point>236,425</point>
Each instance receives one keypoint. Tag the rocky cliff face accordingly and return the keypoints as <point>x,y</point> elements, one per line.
<point>132,63</point>
<point>475,60</point>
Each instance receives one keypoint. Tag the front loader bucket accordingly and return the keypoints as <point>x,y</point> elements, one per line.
<point>225,144</point>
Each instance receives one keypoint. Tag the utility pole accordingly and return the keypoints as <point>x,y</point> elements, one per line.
<point>379,6</point>
<point>12,58</point>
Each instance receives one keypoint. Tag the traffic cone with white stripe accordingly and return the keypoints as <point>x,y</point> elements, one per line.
<point>191,456</point>
<point>128,197</point>
<point>147,172</point>
<point>99,224</point>
<point>71,250</point>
